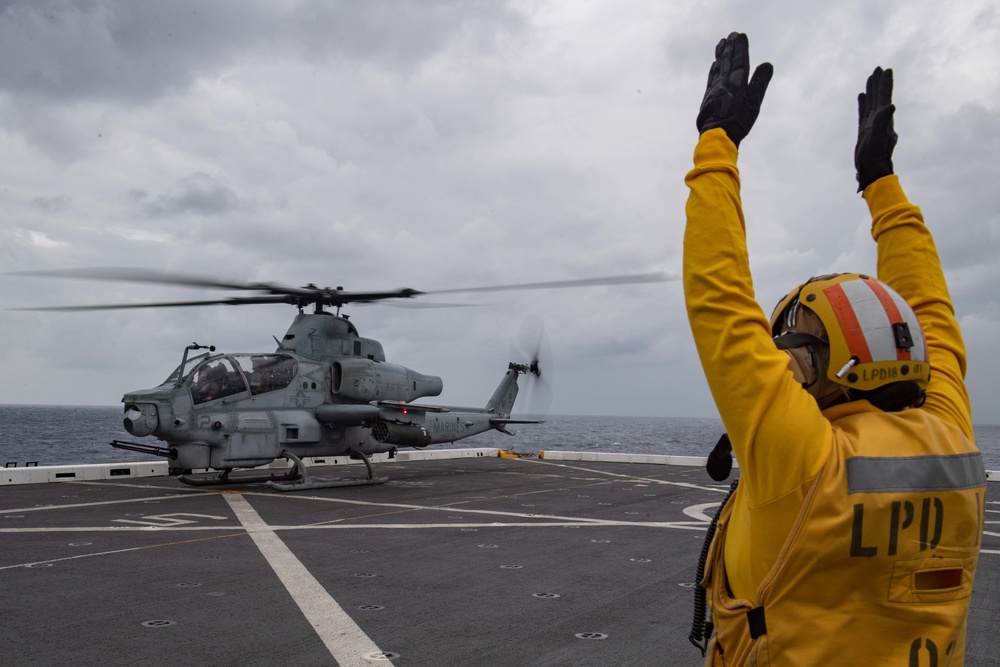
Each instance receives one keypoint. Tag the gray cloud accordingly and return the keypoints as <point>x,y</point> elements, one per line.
<point>125,50</point>
<point>51,204</point>
<point>197,194</point>
<point>450,144</point>
<point>138,50</point>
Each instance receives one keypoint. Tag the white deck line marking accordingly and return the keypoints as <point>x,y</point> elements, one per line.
<point>115,529</point>
<point>69,506</point>
<point>347,643</point>
<point>632,478</point>
<point>457,510</point>
<point>107,553</point>
<point>689,525</point>
<point>549,519</point>
<point>693,525</point>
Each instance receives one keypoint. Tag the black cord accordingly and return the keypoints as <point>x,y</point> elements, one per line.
<point>700,634</point>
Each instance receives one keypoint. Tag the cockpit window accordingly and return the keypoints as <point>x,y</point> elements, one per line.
<point>215,378</point>
<point>188,366</point>
<point>267,372</point>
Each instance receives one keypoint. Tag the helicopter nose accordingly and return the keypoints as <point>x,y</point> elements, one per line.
<point>141,419</point>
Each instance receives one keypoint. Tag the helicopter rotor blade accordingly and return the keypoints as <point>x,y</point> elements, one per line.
<point>301,296</point>
<point>298,296</point>
<point>232,301</point>
<point>137,275</point>
<point>417,305</point>
<point>655,277</point>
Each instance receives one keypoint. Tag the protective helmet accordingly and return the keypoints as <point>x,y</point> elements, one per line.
<point>873,335</point>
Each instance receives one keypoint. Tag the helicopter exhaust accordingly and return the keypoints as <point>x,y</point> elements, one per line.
<point>404,435</point>
<point>368,380</point>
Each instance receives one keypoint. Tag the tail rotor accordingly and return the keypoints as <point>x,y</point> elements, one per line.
<point>531,356</point>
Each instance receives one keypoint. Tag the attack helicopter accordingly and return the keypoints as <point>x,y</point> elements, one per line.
<point>325,390</point>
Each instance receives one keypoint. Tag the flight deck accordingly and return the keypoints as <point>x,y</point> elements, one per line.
<point>462,558</point>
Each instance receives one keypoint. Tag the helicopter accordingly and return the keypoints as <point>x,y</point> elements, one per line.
<point>324,391</point>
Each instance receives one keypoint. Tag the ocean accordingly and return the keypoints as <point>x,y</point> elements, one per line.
<point>59,435</point>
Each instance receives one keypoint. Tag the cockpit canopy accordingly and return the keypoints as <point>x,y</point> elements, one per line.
<point>221,375</point>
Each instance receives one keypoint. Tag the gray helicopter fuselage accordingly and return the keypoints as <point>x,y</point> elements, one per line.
<point>325,391</point>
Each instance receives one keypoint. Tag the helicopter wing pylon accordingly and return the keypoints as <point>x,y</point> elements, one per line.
<point>416,407</point>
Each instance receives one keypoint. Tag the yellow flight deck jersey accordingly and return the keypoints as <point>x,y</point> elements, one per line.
<point>854,534</point>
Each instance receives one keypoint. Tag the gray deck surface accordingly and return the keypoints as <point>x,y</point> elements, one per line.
<point>481,561</point>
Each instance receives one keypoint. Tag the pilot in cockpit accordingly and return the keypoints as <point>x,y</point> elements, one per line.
<point>209,384</point>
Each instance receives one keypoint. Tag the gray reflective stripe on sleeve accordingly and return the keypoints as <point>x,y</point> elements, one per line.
<point>884,474</point>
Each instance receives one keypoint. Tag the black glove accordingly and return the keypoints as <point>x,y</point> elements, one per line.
<point>876,138</point>
<point>729,102</point>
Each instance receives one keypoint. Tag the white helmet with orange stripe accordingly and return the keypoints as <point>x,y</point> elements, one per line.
<point>867,337</point>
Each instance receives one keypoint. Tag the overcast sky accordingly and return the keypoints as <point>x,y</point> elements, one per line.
<point>439,144</point>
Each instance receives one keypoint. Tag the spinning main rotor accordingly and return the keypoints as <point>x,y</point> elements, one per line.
<point>301,297</point>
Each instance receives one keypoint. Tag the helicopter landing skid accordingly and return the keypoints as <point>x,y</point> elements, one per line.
<point>302,481</point>
<point>223,478</point>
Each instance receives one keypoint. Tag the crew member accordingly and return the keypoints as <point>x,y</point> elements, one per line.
<point>853,535</point>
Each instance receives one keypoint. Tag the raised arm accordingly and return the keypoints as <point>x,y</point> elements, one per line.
<point>907,256</point>
<point>776,428</point>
